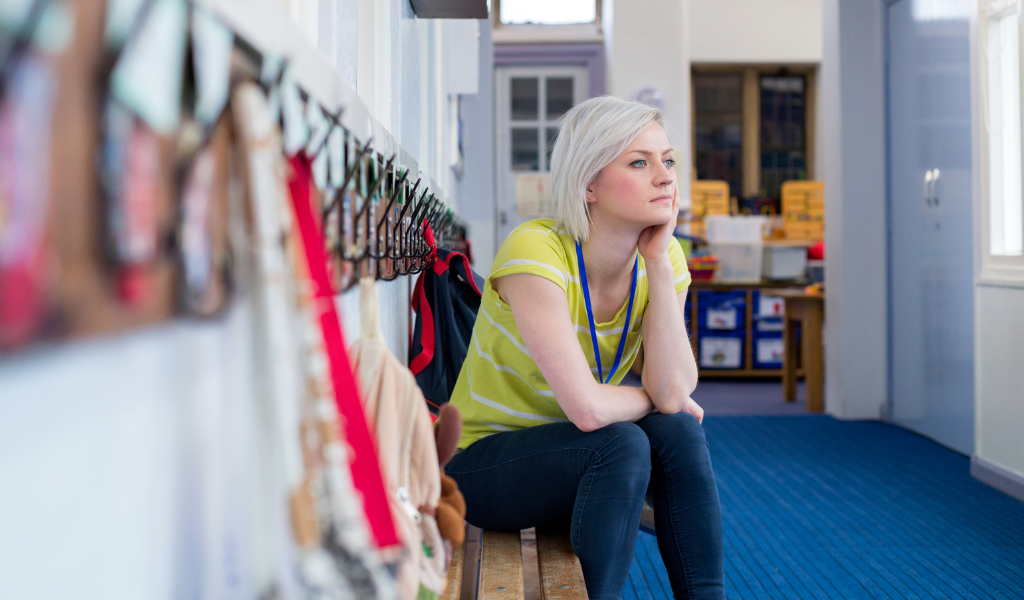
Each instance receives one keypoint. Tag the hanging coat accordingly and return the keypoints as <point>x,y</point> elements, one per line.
<point>408,455</point>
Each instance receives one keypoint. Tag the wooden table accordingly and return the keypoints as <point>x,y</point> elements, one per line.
<point>808,312</point>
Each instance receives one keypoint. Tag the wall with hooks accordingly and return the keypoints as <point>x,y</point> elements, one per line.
<point>114,418</point>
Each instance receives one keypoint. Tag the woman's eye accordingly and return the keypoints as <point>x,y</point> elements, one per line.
<point>670,162</point>
<point>638,163</point>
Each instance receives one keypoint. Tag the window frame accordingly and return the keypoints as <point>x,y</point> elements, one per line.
<point>750,175</point>
<point>995,268</point>
<point>525,33</point>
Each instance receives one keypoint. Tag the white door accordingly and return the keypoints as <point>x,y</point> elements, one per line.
<point>531,100</point>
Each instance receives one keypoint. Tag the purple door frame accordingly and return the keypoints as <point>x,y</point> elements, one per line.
<point>590,55</point>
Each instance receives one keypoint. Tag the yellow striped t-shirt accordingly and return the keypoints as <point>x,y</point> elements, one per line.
<point>500,388</point>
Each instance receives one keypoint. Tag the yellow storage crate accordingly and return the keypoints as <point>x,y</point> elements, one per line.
<point>803,210</point>
<point>707,197</point>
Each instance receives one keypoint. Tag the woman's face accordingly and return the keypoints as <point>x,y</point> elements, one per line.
<point>638,185</point>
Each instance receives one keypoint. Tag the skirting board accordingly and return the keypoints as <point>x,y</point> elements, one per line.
<point>993,474</point>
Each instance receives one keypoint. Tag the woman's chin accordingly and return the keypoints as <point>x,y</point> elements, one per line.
<point>658,213</point>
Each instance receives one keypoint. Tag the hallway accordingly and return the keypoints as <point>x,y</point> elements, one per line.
<point>815,507</point>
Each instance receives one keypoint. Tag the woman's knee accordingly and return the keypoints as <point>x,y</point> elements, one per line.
<point>680,428</point>
<point>678,443</point>
<point>624,444</point>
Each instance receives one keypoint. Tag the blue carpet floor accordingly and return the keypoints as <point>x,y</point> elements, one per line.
<point>813,507</point>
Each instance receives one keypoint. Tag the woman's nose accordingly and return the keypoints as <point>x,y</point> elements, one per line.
<point>666,175</point>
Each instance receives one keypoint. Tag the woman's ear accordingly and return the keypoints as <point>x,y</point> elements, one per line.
<point>591,195</point>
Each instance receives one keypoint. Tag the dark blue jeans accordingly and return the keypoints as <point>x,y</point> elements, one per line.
<point>597,481</point>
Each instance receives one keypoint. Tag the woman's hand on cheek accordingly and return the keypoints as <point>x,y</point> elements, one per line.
<point>653,242</point>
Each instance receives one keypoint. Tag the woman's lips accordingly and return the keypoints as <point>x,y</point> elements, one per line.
<point>663,198</point>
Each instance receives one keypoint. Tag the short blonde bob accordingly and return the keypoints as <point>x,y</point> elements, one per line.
<point>591,135</point>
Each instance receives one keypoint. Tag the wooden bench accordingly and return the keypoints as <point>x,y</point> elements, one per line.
<point>494,562</point>
<point>529,565</point>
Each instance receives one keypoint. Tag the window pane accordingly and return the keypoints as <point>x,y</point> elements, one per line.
<point>1006,223</point>
<point>547,12</point>
<point>552,135</point>
<point>524,98</point>
<point>783,154</point>
<point>718,127</point>
<point>525,149</point>
<point>559,99</point>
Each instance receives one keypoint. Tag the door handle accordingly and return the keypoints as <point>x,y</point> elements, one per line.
<point>931,187</point>
<point>928,178</point>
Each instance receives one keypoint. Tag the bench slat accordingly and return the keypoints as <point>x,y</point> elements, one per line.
<point>501,567</point>
<point>453,585</point>
<point>647,519</point>
<point>561,577</point>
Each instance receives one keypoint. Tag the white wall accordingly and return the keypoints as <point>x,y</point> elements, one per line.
<point>126,466</point>
<point>648,48</point>
<point>998,330</point>
<point>756,31</point>
<point>477,191</point>
<point>852,142</point>
<point>999,364</point>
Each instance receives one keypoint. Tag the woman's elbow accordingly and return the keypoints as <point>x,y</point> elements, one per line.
<point>585,421</point>
<point>671,402</point>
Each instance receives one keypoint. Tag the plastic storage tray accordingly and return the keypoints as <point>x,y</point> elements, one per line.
<point>721,311</point>
<point>721,351</point>
<point>768,350</point>
<point>768,311</point>
<point>784,262</point>
<point>738,262</point>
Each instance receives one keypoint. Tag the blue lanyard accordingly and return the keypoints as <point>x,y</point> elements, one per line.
<point>590,316</point>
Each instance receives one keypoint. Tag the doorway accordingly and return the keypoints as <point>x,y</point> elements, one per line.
<point>531,101</point>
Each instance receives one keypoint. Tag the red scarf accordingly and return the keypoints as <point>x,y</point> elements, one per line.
<point>366,476</point>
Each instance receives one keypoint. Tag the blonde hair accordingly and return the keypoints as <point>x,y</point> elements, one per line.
<point>591,135</point>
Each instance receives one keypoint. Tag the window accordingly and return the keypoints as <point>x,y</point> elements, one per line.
<point>752,128</point>
<point>782,131</point>
<point>1003,129</point>
<point>537,104</point>
<point>546,12</point>
<point>718,128</point>
<point>1000,128</point>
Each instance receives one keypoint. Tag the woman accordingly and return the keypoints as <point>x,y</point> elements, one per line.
<point>548,434</point>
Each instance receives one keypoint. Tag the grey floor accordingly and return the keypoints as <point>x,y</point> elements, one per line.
<point>721,397</point>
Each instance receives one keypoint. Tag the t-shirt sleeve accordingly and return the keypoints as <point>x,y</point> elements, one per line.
<point>532,251</point>
<point>681,273</point>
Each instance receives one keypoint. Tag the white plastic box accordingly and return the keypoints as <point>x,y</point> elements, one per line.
<point>738,262</point>
<point>746,229</point>
<point>737,242</point>
<point>784,262</point>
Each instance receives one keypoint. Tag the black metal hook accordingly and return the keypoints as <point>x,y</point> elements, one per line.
<point>350,172</point>
<point>388,232</point>
<point>335,124</point>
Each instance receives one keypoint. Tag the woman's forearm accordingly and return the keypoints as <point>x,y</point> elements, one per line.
<point>669,373</point>
<point>600,405</point>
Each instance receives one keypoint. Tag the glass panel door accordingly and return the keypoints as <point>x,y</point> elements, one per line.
<point>531,102</point>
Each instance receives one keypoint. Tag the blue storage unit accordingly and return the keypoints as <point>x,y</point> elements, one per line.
<point>719,312</point>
